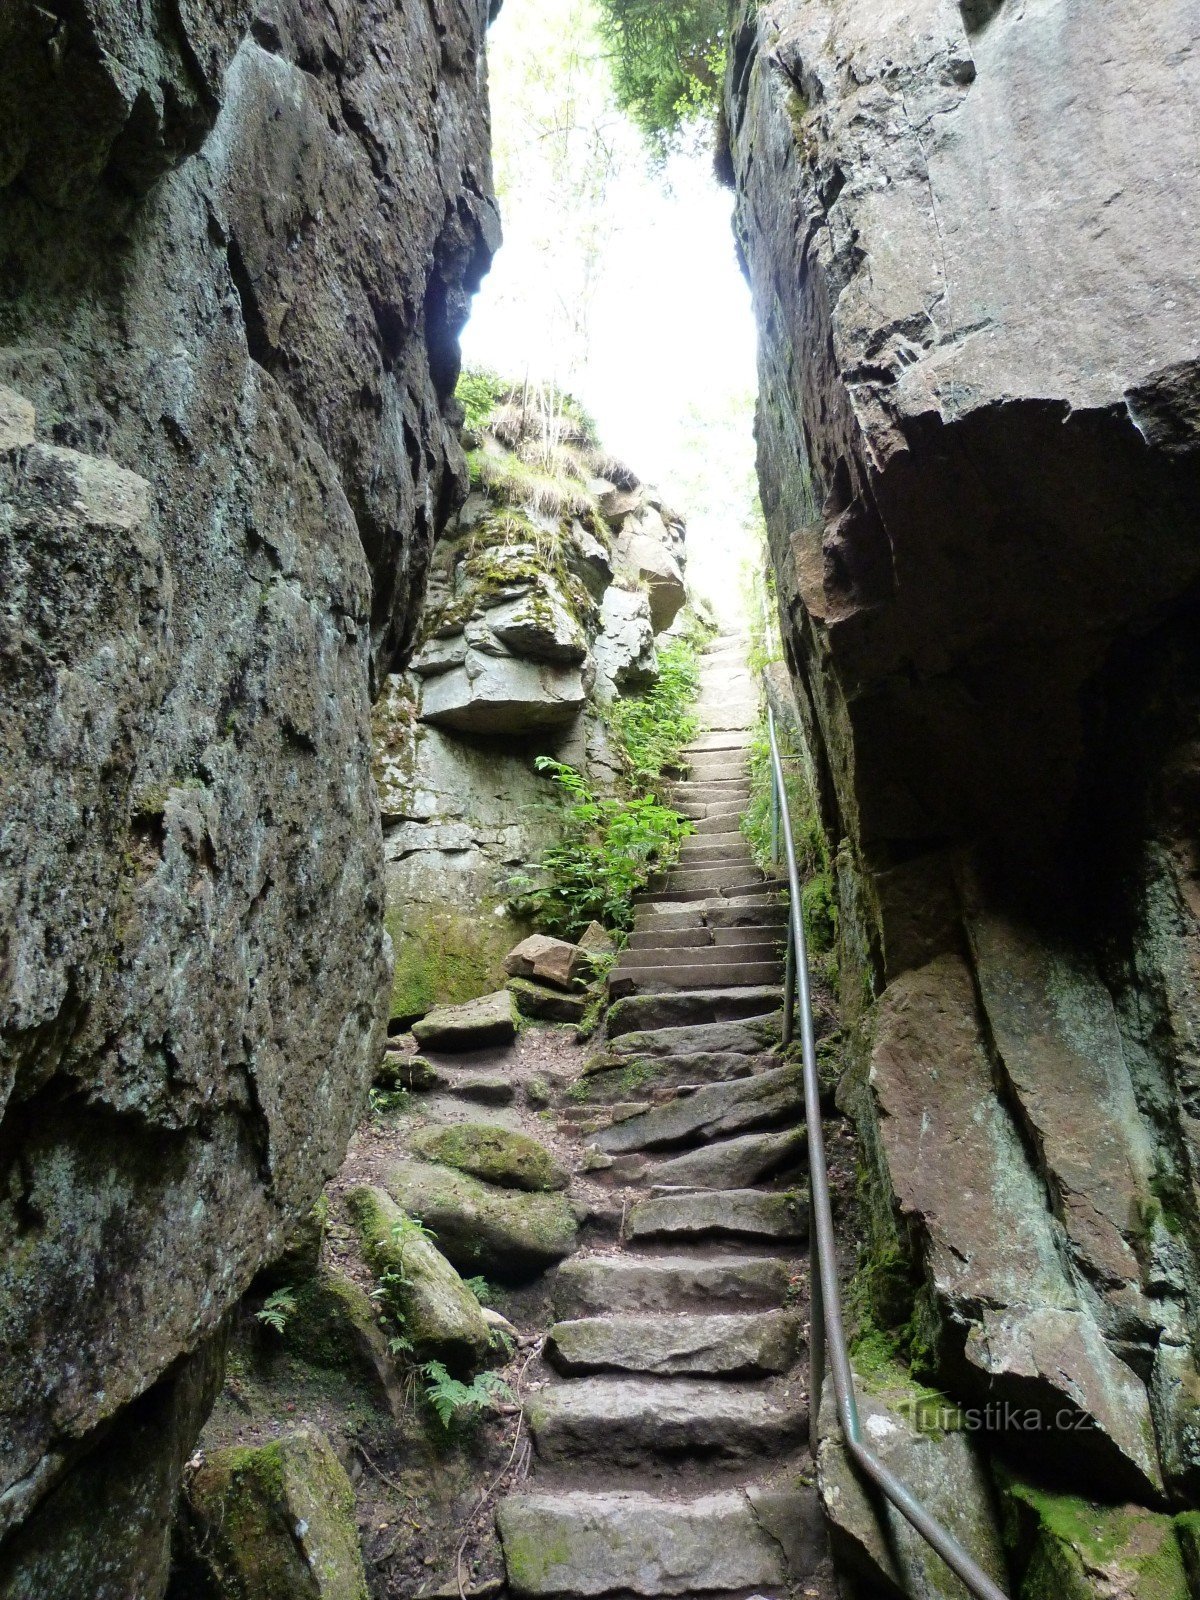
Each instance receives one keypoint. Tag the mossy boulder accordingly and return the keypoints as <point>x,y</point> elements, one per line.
<point>493,1154</point>
<point>1067,1548</point>
<point>275,1522</point>
<point>542,1003</point>
<point>335,1326</point>
<point>490,1019</point>
<point>504,1235</point>
<point>434,1307</point>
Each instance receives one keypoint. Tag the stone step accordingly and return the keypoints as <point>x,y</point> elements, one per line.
<point>610,1080</point>
<point>752,911</point>
<point>726,971</point>
<point>747,1036</point>
<point>635,1544</point>
<point>731,844</point>
<point>712,819</point>
<point>665,949</point>
<point>712,877</point>
<point>677,895</point>
<point>624,1421</point>
<point>586,1286</point>
<point>733,1163</point>
<point>744,1214</point>
<point>730,1345</point>
<point>640,1013</point>
<point>711,792</point>
<point>705,742</point>
<point>715,1111</point>
<point>717,768</point>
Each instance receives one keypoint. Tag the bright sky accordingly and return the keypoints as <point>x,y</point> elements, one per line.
<point>620,284</point>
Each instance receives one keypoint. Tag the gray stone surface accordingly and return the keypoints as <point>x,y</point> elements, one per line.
<point>594,1285</point>
<point>505,1236</point>
<point>596,1544</point>
<point>700,1345</point>
<point>721,1213</point>
<point>733,1163</point>
<point>715,1111</point>
<point>489,1020</point>
<point>627,1420</point>
<point>236,261</point>
<point>942,1465</point>
<point>553,961</point>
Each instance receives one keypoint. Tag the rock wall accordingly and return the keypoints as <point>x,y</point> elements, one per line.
<point>971,233</point>
<point>546,595</point>
<point>238,244</point>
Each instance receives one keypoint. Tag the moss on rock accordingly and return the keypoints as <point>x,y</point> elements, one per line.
<point>493,1154</point>
<point>276,1521</point>
<point>443,958</point>
<point>1069,1548</point>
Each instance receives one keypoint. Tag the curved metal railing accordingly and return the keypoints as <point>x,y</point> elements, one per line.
<point>827,1331</point>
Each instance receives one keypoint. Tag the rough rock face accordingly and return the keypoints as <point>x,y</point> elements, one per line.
<point>237,247</point>
<point>545,598</point>
<point>970,233</point>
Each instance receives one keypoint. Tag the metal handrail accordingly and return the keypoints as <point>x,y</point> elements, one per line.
<point>827,1329</point>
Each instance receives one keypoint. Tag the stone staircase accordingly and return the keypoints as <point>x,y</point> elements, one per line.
<point>670,1443</point>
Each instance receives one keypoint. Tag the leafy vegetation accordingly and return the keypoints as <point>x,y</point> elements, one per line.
<point>651,729</point>
<point>277,1308</point>
<point>482,1290</point>
<point>457,1403</point>
<point>607,849</point>
<point>479,392</point>
<point>668,62</point>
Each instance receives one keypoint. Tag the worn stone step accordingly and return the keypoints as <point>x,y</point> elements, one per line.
<point>716,876</point>
<point>709,793</point>
<point>641,1012</point>
<point>729,1345</point>
<point>716,768</point>
<point>625,1421</point>
<point>733,1163</point>
<point>611,1080</point>
<point>747,1036</point>
<point>718,740</point>
<point>746,1214</point>
<point>585,1544</point>
<point>686,949</point>
<point>587,1286</point>
<point>717,1110</point>
<point>677,894</point>
<point>752,911</point>
<point>729,972</point>
<point>718,818</point>
<point>713,847</point>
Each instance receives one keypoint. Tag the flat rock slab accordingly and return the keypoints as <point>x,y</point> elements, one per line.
<point>721,1213</point>
<point>652,1011</point>
<point>493,1154</point>
<point>545,1003</point>
<point>733,1163</point>
<point>500,1233</point>
<point>747,1037</point>
<point>717,1109</point>
<point>552,960</point>
<point>489,1020</point>
<point>627,1420</point>
<point>596,1544</point>
<point>670,1346</point>
<point>594,1285</point>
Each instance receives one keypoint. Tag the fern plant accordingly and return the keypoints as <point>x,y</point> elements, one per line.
<point>457,1403</point>
<point>607,849</point>
<point>277,1308</point>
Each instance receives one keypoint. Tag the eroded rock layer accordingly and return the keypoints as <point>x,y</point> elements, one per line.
<point>237,246</point>
<point>971,234</point>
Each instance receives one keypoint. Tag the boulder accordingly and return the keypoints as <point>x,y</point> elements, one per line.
<point>554,961</point>
<point>494,694</point>
<point>489,1020</point>
<point>626,660</point>
<point>275,1521</point>
<point>335,1325</point>
<point>648,561</point>
<point>506,1236</point>
<point>617,503</point>
<point>595,940</point>
<point>546,1004</point>
<point>432,1306</point>
<point>918,1436</point>
<point>496,1155</point>
<point>539,625</point>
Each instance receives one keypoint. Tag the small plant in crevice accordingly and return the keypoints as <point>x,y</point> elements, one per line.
<point>388,1291</point>
<point>276,1309</point>
<point>388,1102</point>
<point>457,1404</point>
<point>482,1290</point>
<point>607,850</point>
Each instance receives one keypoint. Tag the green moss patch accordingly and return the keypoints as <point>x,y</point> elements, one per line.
<point>494,1154</point>
<point>444,958</point>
